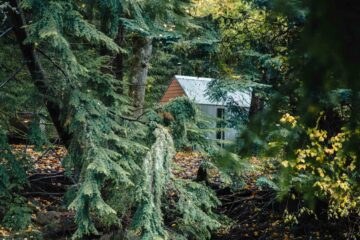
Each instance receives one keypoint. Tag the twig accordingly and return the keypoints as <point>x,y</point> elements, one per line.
<point>59,174</point>
<point>5,32</point>
<point>12,75</point>
<point>42,155</point>
<point>242,199</point>
<point>43,193</point>
<point>54,63</point>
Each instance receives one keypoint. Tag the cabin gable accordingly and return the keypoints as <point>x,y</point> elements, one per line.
<point>174,90</point>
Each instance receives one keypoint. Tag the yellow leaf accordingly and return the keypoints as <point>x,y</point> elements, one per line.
<point>321,172</point>
<point>301,166</point>
<point>285,163</point>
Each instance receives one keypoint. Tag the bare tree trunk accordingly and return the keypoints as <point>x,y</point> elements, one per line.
<point>139,72</point>
<point>36,70</point>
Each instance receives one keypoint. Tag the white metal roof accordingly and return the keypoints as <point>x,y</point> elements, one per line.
<point>196,88</point>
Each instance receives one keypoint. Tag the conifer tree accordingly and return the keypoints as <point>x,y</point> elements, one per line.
<point>109,153</point>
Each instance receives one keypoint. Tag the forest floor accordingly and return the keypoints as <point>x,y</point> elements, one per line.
<point>253,212</point>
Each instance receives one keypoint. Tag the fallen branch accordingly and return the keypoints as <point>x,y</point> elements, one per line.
<point>42,193</point>
<point>47,176</point>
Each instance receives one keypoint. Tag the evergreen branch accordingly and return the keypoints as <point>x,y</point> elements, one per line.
<point>146,112</point>
<point>12,75</point>
<point>132,119</point>
<point>137,119</point>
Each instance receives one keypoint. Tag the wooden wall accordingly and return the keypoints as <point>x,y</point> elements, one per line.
<point>174,90</point>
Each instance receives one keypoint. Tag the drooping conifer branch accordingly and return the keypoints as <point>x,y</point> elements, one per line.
<point>156,172</point>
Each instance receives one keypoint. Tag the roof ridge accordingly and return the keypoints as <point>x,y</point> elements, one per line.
<point>193,78</point>
<point>196,88</point>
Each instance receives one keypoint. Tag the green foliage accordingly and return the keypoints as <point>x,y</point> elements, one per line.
<point>53,21</point>
<point>191,52</point>
<point>193,208</point>
<point>159,19</point>
<point>99,159</point>
<point>14,212</point>
<point>195,205</point>
<point>36,135</point>
<point>188,125</point>
<point>183,113</point>
<point>265,182</point>
<point>18,214</point>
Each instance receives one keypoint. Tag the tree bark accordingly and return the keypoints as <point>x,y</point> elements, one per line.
<point>36,70</point>
<point>139,72</point>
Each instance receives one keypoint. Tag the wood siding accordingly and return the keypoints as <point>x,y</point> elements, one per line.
<point>173,91</point>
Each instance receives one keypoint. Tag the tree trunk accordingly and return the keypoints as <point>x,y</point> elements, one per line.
<point>36,71</point>
<point>139,72</point>
<point>256,105</point>
<point>202,174</point>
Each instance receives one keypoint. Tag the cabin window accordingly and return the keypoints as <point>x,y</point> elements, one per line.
<point>220,115</point>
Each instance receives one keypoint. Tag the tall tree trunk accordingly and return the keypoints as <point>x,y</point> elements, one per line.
<point>139,72</point>
<point>36,70</point>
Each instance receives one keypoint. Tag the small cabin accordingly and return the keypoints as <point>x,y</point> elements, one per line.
<point>196,88</point>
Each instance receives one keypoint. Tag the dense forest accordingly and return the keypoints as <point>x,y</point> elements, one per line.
<point>89,149</point>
